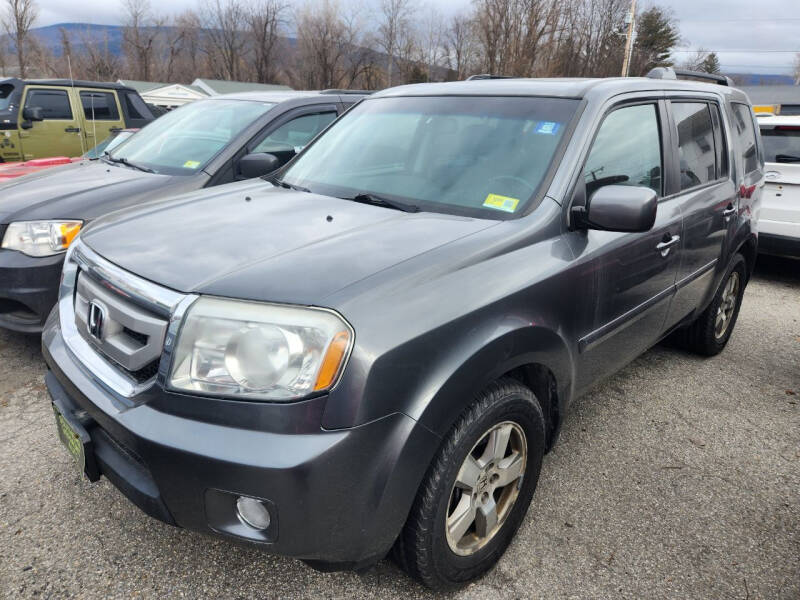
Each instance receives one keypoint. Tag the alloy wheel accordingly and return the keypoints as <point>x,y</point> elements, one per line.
<point>727,305</point>
<point>486,488</point>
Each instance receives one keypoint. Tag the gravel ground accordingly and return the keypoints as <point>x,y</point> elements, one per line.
<point>677,478</point>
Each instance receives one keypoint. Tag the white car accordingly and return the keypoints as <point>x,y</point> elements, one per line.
<point>779,221</point>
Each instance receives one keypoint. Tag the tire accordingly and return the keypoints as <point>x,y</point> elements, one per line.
<point>440,556</point>
<point>703,335</point>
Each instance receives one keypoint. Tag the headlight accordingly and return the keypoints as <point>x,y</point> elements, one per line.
<point>41,238</point>
<point>259,351</point>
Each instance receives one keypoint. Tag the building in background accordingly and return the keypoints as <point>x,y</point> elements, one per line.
<point>786,96</point>
<point>173,95</point>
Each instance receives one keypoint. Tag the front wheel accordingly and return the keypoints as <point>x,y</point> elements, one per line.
<point>477,490</point>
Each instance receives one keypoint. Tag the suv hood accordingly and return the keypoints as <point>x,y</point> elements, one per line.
<point>76,191</point>
<point>258,242</point>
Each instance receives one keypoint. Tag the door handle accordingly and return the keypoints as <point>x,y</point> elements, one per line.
<point>665,246</point>
<point>115,129</point>
<point>728,212</point>
<point>72,129</point>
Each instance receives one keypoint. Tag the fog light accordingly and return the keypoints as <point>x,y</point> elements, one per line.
<point>252,512</point>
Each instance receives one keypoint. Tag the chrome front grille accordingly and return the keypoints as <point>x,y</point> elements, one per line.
<point>120,327</point>
<point>129,335</point>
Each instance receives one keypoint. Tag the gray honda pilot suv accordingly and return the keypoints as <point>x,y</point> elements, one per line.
<point>373,351</point>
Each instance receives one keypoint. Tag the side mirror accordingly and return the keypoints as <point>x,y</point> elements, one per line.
<point>33,113</point>
<point>258,164</point>
<point>619,208</point>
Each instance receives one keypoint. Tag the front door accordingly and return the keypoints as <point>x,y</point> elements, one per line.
<point>708,200</point>
<point>101,113</point>
<point>630,277</point>
<point>59,134</point>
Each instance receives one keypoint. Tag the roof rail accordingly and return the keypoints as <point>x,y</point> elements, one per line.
<point>335,91</point>
<point>487,76</point>
<point>670,73</point>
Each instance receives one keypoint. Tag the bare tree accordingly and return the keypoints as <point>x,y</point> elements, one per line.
<point>432,50</point>
<point>329,47</point>
<point>224,22</point>
<point>139,38</point>
<point>189,61</point>
<point>265,21</point>
<point>393,31</point>
<point>461,46</point>
<point>19,18</point>
<point>98,62</point>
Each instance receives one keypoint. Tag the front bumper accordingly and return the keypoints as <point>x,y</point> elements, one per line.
<point>28,289</point>
<point>340,497</point>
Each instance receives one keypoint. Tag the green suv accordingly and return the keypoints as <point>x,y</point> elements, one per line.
<point>57,117</point>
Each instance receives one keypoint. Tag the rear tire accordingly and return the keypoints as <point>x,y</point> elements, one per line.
<point>477,490</point>
<point>710,332</point>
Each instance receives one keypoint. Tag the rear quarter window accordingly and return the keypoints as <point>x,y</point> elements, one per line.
<point>745,135</point>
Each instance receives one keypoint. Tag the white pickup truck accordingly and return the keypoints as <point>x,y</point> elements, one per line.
<point>779,221</point>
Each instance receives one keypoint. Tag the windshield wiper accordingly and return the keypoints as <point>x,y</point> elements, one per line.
<point>289,186</point>
<point>127,163</point>
<point>786,158</point>
<point>375,200</point>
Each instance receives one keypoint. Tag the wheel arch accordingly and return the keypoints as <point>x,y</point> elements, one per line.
<point>537,357</point>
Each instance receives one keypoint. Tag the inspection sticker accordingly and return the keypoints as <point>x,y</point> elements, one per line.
<point>548,127</point>
<point>191,164</point>
<point>503,203</point>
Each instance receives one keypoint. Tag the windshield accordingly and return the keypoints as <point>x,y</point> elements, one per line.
<point>482,156</point>
<point>781,143</point>
<point>108,144</point>
<point>184,140</point>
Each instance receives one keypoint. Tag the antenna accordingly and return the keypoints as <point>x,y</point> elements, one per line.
<point>72,81</point>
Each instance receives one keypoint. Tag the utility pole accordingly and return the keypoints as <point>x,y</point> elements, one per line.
<point>626,62</point>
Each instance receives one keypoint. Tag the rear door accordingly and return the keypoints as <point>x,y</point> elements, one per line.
<point>708,199</point>
<point>59,134</point>
<point>101,113</point>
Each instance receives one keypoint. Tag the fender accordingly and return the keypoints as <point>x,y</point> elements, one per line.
<point>465,374</point>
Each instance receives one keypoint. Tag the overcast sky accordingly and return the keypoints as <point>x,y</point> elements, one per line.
<point>748,35</point>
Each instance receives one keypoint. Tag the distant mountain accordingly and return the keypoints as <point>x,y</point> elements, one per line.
<point>79,34</point>
<point>761,79</point>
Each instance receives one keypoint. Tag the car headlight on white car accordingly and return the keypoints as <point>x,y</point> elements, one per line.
<point>259,351</point>
<point>41,238</point>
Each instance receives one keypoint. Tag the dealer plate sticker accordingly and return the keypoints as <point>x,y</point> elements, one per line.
<point>498,202</point>
<point>70,439</point>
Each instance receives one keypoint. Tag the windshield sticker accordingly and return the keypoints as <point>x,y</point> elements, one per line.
<point>191,164</point>
<point>548,127</point>
<point>499,202</point>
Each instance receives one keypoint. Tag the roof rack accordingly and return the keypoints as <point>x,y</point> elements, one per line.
<point>335,91</point>
<point>487,76</point>
<point>670,73</point>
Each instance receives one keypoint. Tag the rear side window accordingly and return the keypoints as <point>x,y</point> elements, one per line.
<point>626,151</point>
<point>696,146</point>
<point>99,106</point>
<point>746,137</point>
<point>54,103</point>
<point>135,107</point>
<point>781,143</point>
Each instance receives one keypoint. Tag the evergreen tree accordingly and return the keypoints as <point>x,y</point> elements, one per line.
<point>656,36</point>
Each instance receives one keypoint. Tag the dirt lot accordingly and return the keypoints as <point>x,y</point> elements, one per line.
<point>679,477</point>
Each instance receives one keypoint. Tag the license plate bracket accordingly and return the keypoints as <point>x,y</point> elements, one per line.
<point>77,442</point>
